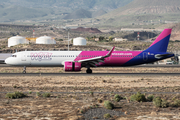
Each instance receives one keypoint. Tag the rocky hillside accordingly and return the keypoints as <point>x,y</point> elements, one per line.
<point>143,12</point>
<point>12,10</point>
<point>175,35</point>
<point>81,13</point>
<point>89,30</point>
<point>175,32</point>
<point>148,7</point>
<point>68,4</point>
<point>98,13</point>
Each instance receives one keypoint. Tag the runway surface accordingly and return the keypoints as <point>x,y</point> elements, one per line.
<point>99,74</point>
<point>93,74</point>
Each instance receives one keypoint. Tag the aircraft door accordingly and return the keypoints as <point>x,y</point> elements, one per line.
<point>23,56</point>
<point>145,56</point>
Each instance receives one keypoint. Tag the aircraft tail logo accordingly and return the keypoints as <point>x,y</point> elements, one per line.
<point>161,42</point>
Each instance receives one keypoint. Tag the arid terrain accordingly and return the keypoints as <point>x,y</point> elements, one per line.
<point>82,97</point>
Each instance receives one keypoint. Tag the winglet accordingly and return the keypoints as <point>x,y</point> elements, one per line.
<point>110,52</point>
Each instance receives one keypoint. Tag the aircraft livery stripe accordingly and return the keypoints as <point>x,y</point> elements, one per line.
<point>163,35</point>
<point>113,59</point>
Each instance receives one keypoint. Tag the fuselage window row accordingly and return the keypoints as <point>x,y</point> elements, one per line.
<point>74,56</point>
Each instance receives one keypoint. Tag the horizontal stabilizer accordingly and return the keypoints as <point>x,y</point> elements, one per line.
<point>163,55</point>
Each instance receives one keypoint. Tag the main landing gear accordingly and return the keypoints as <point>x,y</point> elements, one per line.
<point>89,71</point>
<point>24,70</point>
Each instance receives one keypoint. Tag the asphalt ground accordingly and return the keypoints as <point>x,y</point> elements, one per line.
<point>85,74</point>
<point>98,74</point>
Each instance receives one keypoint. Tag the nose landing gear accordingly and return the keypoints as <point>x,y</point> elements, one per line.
<point>24,70</point>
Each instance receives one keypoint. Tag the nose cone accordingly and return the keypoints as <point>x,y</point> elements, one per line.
<point>7,61</point>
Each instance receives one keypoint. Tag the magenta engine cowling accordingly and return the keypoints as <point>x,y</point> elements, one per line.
<point>72,66</point>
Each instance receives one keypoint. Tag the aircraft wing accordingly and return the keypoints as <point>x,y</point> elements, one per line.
<point>96,60</point>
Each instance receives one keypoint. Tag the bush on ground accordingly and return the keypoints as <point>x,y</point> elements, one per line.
<point>150,98</point>
<point>107,116</point>
<point>92,93</point>
<point>108,105</point>
<point>38,94</point>
<point>117,98</point>
<point>15,95</point>
<point>157,101</point>
<point>176,103</point>
<point>138,97</point>
<point>46,94</point>
<point>164,104</point>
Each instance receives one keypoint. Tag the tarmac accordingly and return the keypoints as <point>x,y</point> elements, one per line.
<point>85,74</point>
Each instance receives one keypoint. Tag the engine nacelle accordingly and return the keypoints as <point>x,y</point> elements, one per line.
<point>72,66</point>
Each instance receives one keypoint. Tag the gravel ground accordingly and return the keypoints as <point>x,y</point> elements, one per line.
<point>98,113</point>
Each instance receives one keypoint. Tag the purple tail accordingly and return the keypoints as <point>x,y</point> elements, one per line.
<point>161,43</point>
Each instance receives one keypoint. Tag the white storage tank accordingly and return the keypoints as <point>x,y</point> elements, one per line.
<point>15,40</point>
<point>45,40</point>
<point>79,41</point>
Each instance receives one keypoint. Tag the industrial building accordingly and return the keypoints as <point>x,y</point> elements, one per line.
<point>79,41</point>
<point>45,40</point>
<point>119,39</point>
<point>17,40</point>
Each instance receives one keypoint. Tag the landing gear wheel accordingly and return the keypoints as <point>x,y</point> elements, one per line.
<point>24,71</point>
<point>89,71</point>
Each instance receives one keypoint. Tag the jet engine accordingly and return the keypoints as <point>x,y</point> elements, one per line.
<point>72,66</point>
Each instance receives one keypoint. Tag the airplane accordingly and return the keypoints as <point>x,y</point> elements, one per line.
<point>75,60</point>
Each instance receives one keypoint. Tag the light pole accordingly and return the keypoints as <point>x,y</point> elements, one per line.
<point>68,36</point>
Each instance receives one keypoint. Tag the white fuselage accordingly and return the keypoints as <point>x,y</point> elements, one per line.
<point>42,58</point>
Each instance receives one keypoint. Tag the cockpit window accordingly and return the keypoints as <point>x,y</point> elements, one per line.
<point>14,56</point>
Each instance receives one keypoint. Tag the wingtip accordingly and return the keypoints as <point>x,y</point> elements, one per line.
<point>113,47</point>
